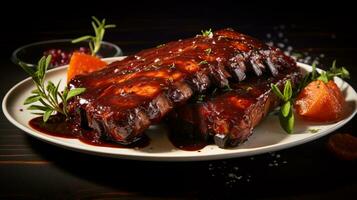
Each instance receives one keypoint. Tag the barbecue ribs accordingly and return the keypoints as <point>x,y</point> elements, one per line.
<point>230,116</point>
<point>125,98</point>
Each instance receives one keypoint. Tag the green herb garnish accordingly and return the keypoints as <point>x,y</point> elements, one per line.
<point>48,96</point>
<point>200,98</point>
<point>313,130</point>
<point>95,41</point>
<point>203,62</point>
<point>286,115</point>
<point>214,91</point>
<point>160,45</point>
<point>334,71</point>
<point>227,88</point>
<point>248,88</point>
<point>323,76</point>
<point>207,33</point>
<point>208,51</point>
<point>297,55</point>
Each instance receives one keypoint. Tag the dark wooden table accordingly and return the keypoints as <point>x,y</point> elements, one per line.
<point>32,169</point>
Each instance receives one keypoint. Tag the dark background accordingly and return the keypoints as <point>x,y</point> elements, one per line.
<point>32,169</point>
<point>313,27</point>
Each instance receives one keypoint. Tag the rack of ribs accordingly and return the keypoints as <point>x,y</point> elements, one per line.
<point>126,97</point>
<point>230,116</point>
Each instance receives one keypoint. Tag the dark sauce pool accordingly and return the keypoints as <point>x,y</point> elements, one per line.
<point>58,126</point>
<point>186,144</point>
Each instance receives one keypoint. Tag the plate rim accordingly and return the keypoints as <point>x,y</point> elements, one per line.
<point>155,157</point>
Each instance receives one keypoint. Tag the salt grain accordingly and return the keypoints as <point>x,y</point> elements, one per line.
<point>281,45</point>
<point>280,34</point>
<point>270,43</point>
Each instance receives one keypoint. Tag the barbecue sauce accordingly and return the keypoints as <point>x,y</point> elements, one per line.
<point>58,126</point>
<point>187,144</point>
<point>184,133</point>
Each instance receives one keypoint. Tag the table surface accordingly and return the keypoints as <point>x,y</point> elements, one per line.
<point>32,169</point>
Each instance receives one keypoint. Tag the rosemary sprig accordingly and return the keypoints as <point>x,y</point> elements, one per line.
<point>96,40</point>
<point>286,115</point>
<point>48,95</point>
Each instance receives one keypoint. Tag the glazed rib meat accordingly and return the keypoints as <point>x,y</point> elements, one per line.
<point>126,97</point>
<point>230,116</point>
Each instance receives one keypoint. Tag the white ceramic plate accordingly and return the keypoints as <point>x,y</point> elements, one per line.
<point>267,137</point>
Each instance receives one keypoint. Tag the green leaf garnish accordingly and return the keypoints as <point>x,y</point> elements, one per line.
<point>288,90</point>
<point>47,115</point>
<point>207,33</point>
<point>32,99</point>
<point>323,77</point>
<point>96,40</point>
<point>200,98</point>
<point>74,92</point>
<point>335,71</point>
<point>313,130</point>
<point>313,72</point>
<point>208,51</point>
<point>286,115</point>
<point>47,95</point>
<point>160,45</point>
<point>341,72</point>
<point>285,108</point>
<point>277,91</point>
<point>326,76</point>
<point>203,62</point>
<point>37,107</point>
<point>297,55</point>
<point>288,122</point>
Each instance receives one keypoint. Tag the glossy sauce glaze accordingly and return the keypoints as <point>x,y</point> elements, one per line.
<point>229,116</point>
<point>123,99</point>
<point>126,97</point>
<point>58,126</point>
<point>187,145</point>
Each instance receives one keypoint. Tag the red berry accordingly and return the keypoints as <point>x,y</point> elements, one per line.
<point>60,57</point>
